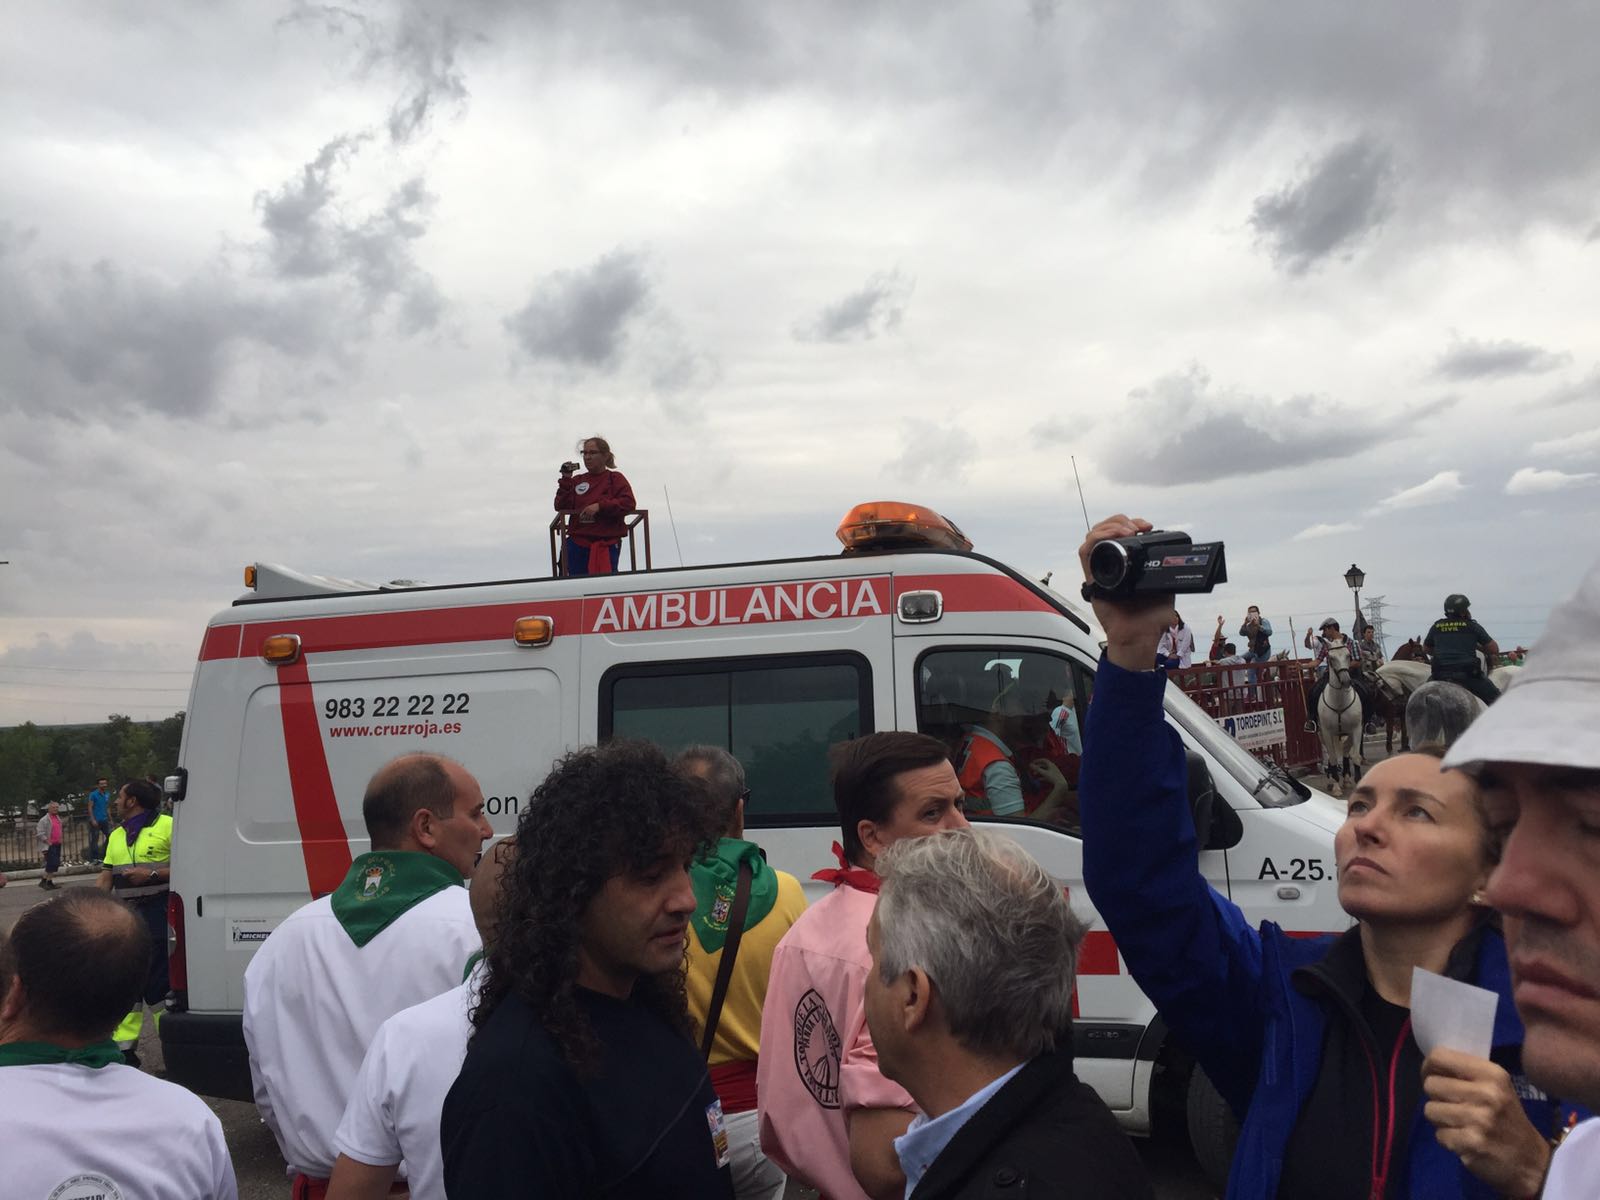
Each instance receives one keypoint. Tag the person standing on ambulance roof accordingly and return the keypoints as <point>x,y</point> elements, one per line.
<point>1454,642</point>
<point>829,1118</point>
<point>582,1078</point>
<point>396,932</point>
<point>138,871</point>
<point>595,501</point>
<point>1309,1039</point>
<point>75,1120</point>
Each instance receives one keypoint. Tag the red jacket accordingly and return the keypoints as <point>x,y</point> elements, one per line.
<point>610,490</point>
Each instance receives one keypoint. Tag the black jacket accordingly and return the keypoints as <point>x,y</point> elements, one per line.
<point>1044,1134</point>
<point>520,1122</point>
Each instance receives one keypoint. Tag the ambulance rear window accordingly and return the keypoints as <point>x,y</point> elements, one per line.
<point>777,716</point>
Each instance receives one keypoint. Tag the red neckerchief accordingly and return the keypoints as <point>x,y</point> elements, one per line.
<point>859,878</point>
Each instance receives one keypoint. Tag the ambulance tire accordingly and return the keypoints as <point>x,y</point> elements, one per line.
<point>1213,1129</point>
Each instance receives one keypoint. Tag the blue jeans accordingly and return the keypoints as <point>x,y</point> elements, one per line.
<point>578,558</point>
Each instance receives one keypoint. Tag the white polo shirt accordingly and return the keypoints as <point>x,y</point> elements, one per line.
<point>313,1001</point>
<point>394,1109</point>
<point>70,1132</point>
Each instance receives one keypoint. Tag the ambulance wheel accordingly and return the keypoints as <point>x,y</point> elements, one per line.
<point>1213,1129</point>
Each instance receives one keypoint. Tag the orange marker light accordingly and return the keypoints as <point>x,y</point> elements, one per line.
<point>250,577</point>
<point>281,649</point>
<point>534,631</point>
<point>889,524</point>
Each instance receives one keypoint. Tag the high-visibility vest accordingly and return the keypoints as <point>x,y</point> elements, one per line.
<point>977,756</point>
<point>152,849</point>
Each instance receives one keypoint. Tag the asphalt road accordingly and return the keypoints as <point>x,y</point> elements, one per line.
<point>261,1171</point>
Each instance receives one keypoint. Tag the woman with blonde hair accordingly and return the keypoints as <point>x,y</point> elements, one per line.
<point>595,502</point>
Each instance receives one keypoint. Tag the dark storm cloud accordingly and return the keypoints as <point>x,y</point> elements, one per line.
<point>1178,430</point>
<point>1471,359</point>
<point>418,44</point>
<point>875,308</point>
<point>1476,101</point>
<point>106,339</point>
<point>1343,196</point>
<point>310,236</point>
<point>581,318</point>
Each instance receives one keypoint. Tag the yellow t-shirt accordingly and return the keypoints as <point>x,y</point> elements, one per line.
<point>739,1028</point>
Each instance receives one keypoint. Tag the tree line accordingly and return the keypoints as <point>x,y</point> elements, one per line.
<point>40,763</point>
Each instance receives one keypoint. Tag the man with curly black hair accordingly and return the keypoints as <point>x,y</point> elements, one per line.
<point>582,1078</point>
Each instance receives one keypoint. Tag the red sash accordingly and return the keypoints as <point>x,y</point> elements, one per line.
<point>735,1084</point>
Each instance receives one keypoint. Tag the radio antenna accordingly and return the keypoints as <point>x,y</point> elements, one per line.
<point>672,523</point>
<point>1084,506</point>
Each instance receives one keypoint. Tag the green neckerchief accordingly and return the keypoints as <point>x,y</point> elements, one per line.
<point>32,1054</point>
<point>382,884</point>
<point>716,876</point>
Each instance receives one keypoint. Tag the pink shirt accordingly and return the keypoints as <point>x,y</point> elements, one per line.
<point>55,830</point>
<point>817,1060</point>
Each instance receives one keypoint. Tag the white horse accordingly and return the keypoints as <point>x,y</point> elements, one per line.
<point>1401,678</point>
<point>1339,722</point>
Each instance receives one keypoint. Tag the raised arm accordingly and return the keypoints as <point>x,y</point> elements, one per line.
<point>1188,948</point>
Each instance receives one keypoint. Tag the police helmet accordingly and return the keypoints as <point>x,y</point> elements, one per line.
<point>1456,605</point>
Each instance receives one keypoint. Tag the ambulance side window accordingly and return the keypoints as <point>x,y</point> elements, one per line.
<point>1001,705</point>
<point>777,716</point>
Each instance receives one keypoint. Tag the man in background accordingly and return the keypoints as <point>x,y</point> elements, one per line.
<point>99,820</point>
<point>734,881</point>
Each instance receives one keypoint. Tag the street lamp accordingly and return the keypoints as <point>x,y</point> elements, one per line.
<point>1354,578</point>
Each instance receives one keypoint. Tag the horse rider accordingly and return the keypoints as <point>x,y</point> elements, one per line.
<point>1454,643</point>
<point>1327,639</point>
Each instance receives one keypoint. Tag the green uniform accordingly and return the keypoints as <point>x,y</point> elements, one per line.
<point>1454,643</point>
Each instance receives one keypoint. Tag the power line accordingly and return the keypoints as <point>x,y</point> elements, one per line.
<point>92,687</point>
<point>93,670</point>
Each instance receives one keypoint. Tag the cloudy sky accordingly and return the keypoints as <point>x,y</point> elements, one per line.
<point>339,286</point>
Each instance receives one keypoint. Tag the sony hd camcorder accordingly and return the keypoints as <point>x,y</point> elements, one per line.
<point>1159,561</point>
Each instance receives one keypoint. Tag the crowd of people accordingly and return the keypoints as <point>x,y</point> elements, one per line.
<point>629,1001</point>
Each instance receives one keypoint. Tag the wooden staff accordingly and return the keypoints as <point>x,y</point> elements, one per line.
<point>1299,674</point>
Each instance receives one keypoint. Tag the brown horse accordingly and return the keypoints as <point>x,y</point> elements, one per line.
<point>1412,651</point>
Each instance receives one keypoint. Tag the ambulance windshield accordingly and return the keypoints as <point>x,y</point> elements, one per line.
<point>1269,784</point>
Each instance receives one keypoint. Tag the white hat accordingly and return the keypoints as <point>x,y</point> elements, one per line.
<point>1549,714</point>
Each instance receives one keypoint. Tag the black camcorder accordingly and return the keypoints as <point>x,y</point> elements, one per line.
<point>567,468</point>
<point>1159,561</point>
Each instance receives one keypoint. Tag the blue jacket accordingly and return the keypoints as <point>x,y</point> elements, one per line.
<point>1223,987</point>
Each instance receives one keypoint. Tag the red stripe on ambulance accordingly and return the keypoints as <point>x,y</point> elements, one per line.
<point>316,808</point>
<point>221,641</point>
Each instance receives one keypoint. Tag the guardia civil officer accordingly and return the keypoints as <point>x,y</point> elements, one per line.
<point>78,1121</point>
<point>138,871</point>
<point>396,932</point>
<point>1454,643</point>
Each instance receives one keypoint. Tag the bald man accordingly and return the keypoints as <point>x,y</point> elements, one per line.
<point>396,932</point>
<point>394,1109</point>
<point>77,1120</point>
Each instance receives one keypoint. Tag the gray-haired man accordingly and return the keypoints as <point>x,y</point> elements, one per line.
<point>1538,762</point>
<point>970,1006</point>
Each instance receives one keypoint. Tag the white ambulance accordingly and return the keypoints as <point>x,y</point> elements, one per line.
<point>307,684</point>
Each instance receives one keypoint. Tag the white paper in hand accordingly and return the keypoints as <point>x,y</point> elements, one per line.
<point>1446,1012</point>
